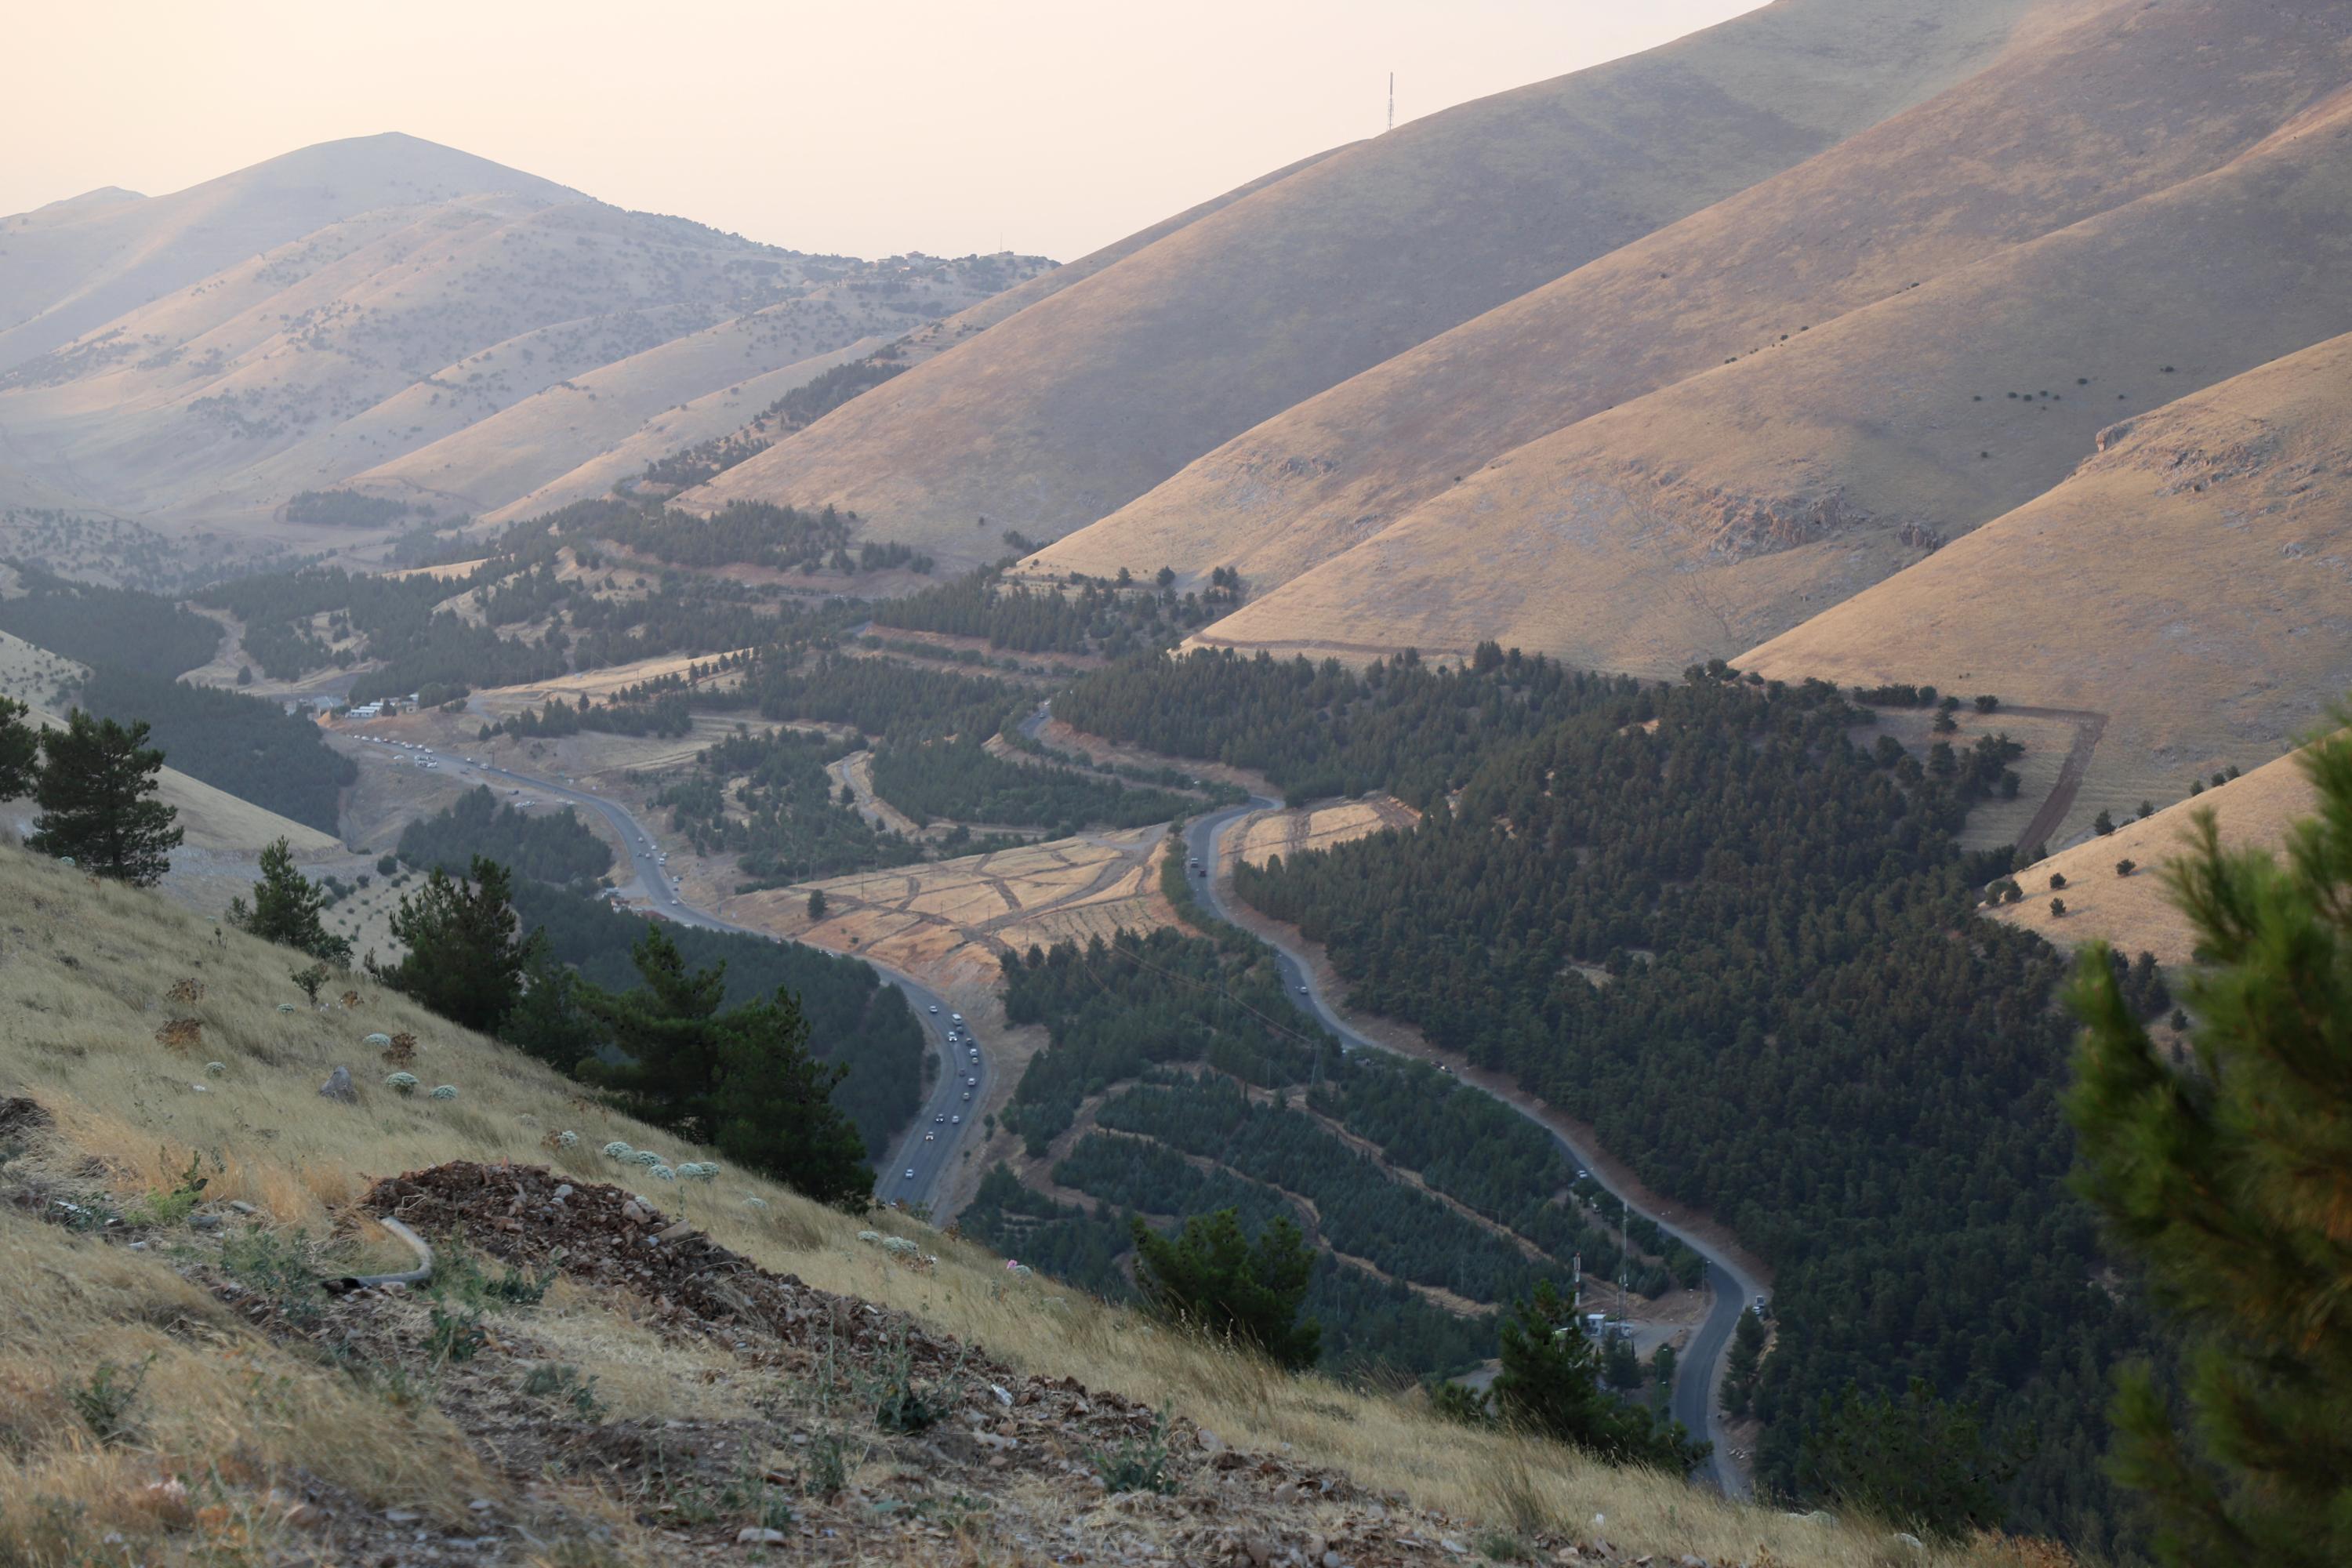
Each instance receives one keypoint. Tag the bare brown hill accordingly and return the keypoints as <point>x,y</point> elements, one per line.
<point>72,266</point>
<point>2114,109</point>
<point>462,351</point>
<point>1734,505</point>
<point>2193,580</point>
<point>1086,399</point>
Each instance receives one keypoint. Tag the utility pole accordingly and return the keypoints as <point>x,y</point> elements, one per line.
<point>1625,1221</point>
<point>1391,101</point>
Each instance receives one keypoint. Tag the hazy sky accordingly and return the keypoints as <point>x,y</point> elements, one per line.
<point>862,126</point>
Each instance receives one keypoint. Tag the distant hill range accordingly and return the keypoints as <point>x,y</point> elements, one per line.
<point>406,322</point>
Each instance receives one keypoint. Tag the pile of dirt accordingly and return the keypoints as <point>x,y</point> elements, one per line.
<point>957,1447</point>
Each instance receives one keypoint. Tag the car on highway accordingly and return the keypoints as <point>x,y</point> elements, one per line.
<point>1302,990</point>
<point>929,1137</point>
<point>966,1097</point>
<point>941,1116</point>
<point>910,1172</point>
<point>973,1081</point>
<point>957,1018</point>
<point>959,1122</point>
<point>935,1009</point>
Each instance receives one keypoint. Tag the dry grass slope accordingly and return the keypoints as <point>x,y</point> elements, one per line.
<point>1718,513</point>
<point>1085,400</point>
<point>2115,107</point>
<point>87,976</point>
<point>2133,913</point>
<point>2193,581</point>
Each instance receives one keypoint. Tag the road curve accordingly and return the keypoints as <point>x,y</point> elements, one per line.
<point>1698,1374</point>
<point>952,1096</point>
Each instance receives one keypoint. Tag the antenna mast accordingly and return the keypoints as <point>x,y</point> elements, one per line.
<point>1391,101</point>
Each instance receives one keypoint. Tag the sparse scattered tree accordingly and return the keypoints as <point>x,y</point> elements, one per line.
<point>2126,866</point>
<point>2057,881</point>
<point>96,778</point>
<point>2102,823</point>
<point>2058,909</point>
<point>816,904</point>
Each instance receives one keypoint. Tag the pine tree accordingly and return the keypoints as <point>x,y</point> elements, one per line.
<point>745,1074</point>
<point>774,1107</point>
<point>2230,1179</point>
<point>1212,1278</point>
<point>286,908</point>
<point>1550,1383</point>
<point>96,776</point>
<point>20,749</point>
<point>465,960</point>
<point>1741,1363</point>
<point>1916,1462</point>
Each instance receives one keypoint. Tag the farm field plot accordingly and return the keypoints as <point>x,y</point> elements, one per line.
<point>947,923</point>
<point>1290,833</point>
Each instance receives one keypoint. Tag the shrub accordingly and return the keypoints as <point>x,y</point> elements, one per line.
<point>1137,1464</point>
<point>104,1401</point>
<point>2057,881</point>
<point>401,1083</point>
<point>2125,867</point>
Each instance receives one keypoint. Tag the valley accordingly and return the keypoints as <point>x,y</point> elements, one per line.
<point>1626,810</point>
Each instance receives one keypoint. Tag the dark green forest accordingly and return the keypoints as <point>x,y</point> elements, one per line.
<point>1803,1028</point>
<point>142,633</point>
<point>792,829</point>
<point>546,847</point>
<point>1094,617</point>
<point>345,508</point>
<point>853,1018</point>
<point>961,781</point>
<point>252,748</point>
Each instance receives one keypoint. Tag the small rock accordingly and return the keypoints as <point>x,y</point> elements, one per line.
<point>305,1516</point>
<point>1209,1441</point>
<point>562,1192</point>
<point>481,1504</point>
<point>752,1536</point>
<point>241,1207</point>
<point>1260,1553</point>
<point>675,1233</point>
<point>633,1214</point>
<point>339,1088</point>
<point>203,1222</point>
<point>1905,1538</point>
<point>401,1516</point>
<point>1003,1396</point>
<point>1332,1560</point>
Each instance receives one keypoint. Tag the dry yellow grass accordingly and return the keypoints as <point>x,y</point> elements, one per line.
<point>1710,516</point>
<point>76,1037</point>
<point>2133,913</point>
<point>2189,581</point>
<point>1288,833</point>
<point>1993,161</point>
<point>1074,406</point>
<point>947,922</point>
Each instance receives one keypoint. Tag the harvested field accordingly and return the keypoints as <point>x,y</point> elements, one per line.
<point>1290,833</point>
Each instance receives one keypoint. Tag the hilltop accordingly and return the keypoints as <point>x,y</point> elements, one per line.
<point>2108,111</point>
<point>247,1408</point>
<point>1086,399</point>
<point>443,336</point>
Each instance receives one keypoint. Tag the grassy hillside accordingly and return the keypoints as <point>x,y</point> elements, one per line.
<point>1086,399</point>
<point>1709,516</point>
<point>2188,582</point>
<point>265,1418</point>
<point>2114,109</point>
<point>74,265</point>
<point>367,347</point>
<point>2132,913</point>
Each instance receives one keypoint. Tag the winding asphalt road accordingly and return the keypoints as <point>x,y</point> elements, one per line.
<point>1697,1402</point>
<point>935,1138</point>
